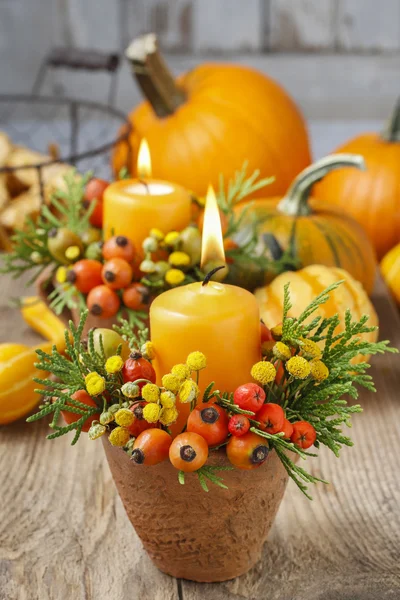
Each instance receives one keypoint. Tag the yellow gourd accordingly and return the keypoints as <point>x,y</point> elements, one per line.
<point>305,285</point>
<point>390,268</point>
<point>17,362</point>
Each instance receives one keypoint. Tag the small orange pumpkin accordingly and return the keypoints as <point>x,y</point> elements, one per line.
<point>210,121</point>
<point>305,285</point>
<point>390,269</point>
<point>314,231</point>
<point>372,197</point>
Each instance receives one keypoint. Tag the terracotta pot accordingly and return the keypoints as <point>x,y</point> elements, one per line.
<point>195,535</point>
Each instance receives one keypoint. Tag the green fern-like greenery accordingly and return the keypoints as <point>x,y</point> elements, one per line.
<point>65,209</point>
<point>323,404</point>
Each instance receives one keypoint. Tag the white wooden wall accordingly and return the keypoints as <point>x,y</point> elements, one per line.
<point>332,55</point>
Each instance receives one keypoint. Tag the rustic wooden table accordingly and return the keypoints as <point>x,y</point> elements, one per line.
<point>64,533</point>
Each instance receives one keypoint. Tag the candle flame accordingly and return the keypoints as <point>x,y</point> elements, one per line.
<point>144,160</point>
<point>212,247</point>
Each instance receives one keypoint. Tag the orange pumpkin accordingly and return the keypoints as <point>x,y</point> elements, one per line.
<point>314,231</point>
<point>390,268</point>
<point>372,197</point>
<point>305,285</point>
<point>210,121</point>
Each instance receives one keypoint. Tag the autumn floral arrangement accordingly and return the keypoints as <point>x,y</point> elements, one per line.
<point>295,399</point>
<point>113,278</point>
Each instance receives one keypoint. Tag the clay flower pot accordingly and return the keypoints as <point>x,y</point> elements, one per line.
<point>191,534</point>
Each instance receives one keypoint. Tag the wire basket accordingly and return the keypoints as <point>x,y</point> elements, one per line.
<point>54,132</point>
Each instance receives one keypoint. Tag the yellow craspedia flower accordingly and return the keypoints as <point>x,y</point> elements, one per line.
<point>171,238</point>
<point>124,417</point>
<point>319,370</point>
<point>179,259</point>
<point>95,384</point>
<point>119,436</point>
<point>72,252</point>
<point>281,351</point>
<point>168,416</point>
<point>96,430</point>
<point>167,399</point>
<point>151,392</point>
<point>298,367</point>
<point>151,413</point>
<point>174,276</point>
<point>276,332</point>
<point>61,275</point>
<point>189,391</point>
<point>114,364</point>
<point>171,382</point>
<point>196,361</point>
<point>147,350</point>
<point>264,372</point>
<point>310,348</point>
<point>181,371</point>
<point>157,234</point>
<point>201,200</point>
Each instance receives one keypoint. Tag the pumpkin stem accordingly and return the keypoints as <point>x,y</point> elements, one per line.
<point>391,132</point>
<point>295,202</point>
<point>153,76</point>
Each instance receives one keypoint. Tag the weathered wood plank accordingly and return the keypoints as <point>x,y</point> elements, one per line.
<point>227,25</point>
<point>368,25</point>
<point>302,24</point>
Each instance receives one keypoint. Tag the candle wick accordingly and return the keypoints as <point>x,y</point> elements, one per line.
<point>210,274</point>
<point>145,185</point>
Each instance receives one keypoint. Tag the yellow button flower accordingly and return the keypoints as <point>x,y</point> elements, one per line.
<point>174,276</point>
<point>96,430</point>
<point>72,252</point>
<point>310,348</point>
<point>119,437</point>
<point>181,371</point>
<point>264,372</point>
<point>167,399</point>
<point>179,259</point>
<point>147,350</point>
<point>171,383</point>
<point>124,417</point>
<point>172,238</point>
<point>151,392</point>
<point>168,416</point>
<point>61,275</point>
<point>157,234</point>
<point>95,384</point>
<point>298,367</point>
<point>151,413</point>
<point>281,351</point>
<point>319,370</point>
<point>189,391</point>
<point>276,332</point>
<point>114,364</point>
<point>196,361</point>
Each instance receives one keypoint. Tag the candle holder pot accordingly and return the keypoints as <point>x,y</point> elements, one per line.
<point>191,534</point>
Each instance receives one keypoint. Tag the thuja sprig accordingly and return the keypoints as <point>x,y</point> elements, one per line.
<point>208,473</point>
<point>65,209</point>
<point>133,330</point>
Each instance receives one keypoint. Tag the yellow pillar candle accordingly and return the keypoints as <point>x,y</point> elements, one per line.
<point>132,207</point>
<point>222,321</point>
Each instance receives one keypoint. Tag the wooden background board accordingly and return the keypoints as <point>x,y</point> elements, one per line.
<point>64,533</point>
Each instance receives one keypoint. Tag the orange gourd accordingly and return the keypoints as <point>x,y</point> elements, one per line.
<point>372,197</point>
<point>390,269</point>
<point>210,121</point>
<point>316,232</point>
<point>305,285</point>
